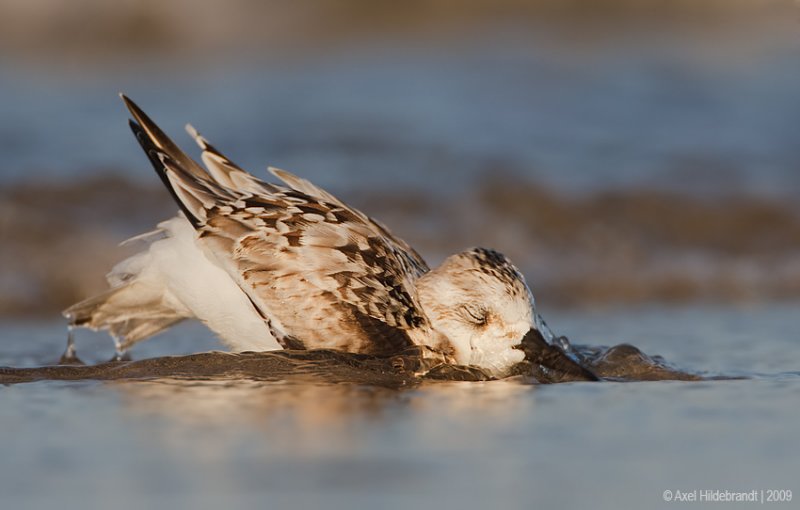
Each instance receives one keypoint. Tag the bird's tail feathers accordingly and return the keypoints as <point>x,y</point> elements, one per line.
<point>131,313</point>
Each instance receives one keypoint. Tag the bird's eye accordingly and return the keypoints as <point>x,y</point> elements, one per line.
<point>475,314</point>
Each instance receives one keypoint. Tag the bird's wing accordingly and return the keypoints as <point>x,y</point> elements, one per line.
<point>314,191</point>
<point>224,171</point>
<point>286,246</point>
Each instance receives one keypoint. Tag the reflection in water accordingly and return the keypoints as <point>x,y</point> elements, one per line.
<point>311,437</point>
<point>290,415</point>
<point>297,408</point>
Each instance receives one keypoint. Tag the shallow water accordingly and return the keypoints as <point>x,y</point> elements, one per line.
<point>439,123</point>
<point>246,443</point>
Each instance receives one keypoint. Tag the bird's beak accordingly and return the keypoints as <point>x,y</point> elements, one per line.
<point>548,361</point>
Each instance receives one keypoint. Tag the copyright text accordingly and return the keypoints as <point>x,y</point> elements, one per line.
<point>727,496</point>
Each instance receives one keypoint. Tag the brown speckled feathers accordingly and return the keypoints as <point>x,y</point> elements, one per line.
<point>350,282</point>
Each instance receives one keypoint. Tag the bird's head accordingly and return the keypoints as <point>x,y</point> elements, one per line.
<point>479,300</point>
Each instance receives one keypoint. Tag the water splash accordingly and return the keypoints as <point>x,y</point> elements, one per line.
<point>543,328</point>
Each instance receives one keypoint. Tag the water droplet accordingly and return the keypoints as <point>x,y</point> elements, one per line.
<point>70,356</point>
<point>563,343</point>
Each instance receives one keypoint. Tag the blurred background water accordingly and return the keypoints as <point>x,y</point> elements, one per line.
<point>637,156</point>
<point>618,151</point>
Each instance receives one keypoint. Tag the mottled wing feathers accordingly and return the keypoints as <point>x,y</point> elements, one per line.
<point>313,267</point>
<point>312,190</point>
<point>226,172</point>
<point>318,272</point>
<point>337,255</point>
<point>305,186</point>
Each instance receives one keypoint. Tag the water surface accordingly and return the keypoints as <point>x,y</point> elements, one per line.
<point>624,174</point>
<point>243,443</point>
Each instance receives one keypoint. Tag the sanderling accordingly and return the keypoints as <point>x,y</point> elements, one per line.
<point>269,266</point>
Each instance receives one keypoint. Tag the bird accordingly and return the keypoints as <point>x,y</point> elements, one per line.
<point>287,265</point>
